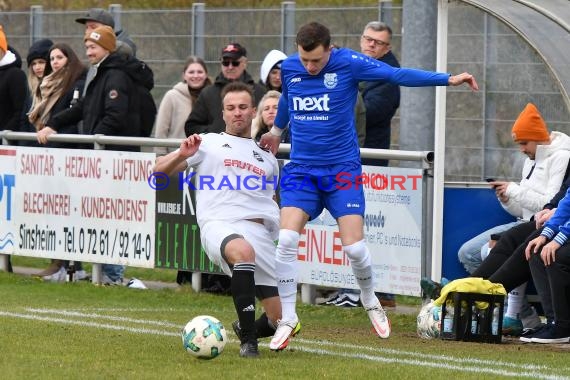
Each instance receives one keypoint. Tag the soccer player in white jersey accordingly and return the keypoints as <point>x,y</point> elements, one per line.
<point>235,184</point>
<point>319,90</point>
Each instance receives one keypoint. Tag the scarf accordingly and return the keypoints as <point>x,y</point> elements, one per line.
<point>50,92</point>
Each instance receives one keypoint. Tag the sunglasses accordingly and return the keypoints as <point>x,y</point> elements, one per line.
<point>233,63</point>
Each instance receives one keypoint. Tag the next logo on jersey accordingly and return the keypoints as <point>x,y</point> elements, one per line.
<point>311,103</point>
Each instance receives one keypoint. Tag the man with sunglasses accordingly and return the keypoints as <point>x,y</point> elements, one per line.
<point>206,115</point>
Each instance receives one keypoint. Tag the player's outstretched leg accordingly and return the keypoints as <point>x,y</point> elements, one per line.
<point>362,268</point>
<point>286,273</point>
<point>243,293</point>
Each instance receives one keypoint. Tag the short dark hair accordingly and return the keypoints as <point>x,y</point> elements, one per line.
<point>238,87</point>
<point>313,34</point>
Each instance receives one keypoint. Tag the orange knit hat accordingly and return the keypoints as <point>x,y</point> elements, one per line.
<point>530,126</point>
<point>3,41</point>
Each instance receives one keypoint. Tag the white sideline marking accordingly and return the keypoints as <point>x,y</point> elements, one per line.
<point>100,316</point>
<point>421,355</point>
<point>90,324</point>
<point>438,365</point>
<point>435,361</point>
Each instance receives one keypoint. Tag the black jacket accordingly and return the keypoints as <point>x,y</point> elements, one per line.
<point>108,107</point>
<point>206,115</point>
<point>13,94</point>
<point>381,100</point>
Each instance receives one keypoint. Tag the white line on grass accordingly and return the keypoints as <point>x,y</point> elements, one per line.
<point>437,361</point>
<point>100,316</point>
<point>421,355</point>
<point>438,365</point>
<point>90,324</point>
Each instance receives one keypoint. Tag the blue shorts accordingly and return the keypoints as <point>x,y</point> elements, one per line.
<point>314,187</point>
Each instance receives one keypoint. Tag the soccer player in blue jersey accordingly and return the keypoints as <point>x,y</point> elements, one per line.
<point>320,85</point>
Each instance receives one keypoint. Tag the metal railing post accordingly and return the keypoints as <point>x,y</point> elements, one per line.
<point>288,27</point>
<point>36,22</point>
<point>198,29</point>
<point>115,10</point>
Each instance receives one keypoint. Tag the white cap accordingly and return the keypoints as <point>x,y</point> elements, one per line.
<point>273,57</point>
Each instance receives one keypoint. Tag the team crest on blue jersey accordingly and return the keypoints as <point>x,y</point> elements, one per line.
<point>331,80</point>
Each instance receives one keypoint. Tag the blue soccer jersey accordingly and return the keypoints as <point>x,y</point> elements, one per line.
<point>320,108</point>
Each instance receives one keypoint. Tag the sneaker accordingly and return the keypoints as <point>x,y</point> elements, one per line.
<point>386,299</point>
<point>106,280</point>
<point>332,300</point>
<point>237,329</point>
<point>512,326</point>
<point>135,283</point>
<point>58,276</point>
<point>430,288</point>
<point>551,335</point>
<point>379,320</point>
<point>285,331</point>
<point>80,275</point>
<point>346,300</point>
<point>249,349</point>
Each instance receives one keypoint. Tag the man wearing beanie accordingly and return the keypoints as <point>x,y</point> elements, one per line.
<point>97,17</point>
<point>109,106</point>
<point>543,172</point>
<point>13,87</point>
<point>206,115</point>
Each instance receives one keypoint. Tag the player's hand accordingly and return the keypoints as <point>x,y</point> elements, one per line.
<point>190,146</point>
<point>534,245</point>
<point>542,217</point>
<point>270,141</point>
<point>43,134</point>
<point>548,253</point>
<point>456,80</point>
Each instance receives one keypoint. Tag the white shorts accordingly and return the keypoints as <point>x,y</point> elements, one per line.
<point>212,235</point>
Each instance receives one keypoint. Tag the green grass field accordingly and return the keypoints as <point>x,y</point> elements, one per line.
<point>78,330</point>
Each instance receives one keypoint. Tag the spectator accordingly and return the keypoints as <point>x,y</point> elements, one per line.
<point>320,87</point>
<point>542,174</point>
<point>381,99</point>
<point>549,259</point>
<point>177,103</point>
<point>206,115</point>
<point>38,67</point>
<point>97,17</point>
<point>237,227</point>
<point>266,112</point>
<point>109,106</point>
<point>13,87</point>
<point>270,72</point>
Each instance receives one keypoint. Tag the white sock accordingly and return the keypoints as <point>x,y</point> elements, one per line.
<point>515,301</point>
<point>286,272</point>
<point>361,263</point>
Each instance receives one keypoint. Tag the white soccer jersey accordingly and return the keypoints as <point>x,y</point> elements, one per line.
<point>234,180</point>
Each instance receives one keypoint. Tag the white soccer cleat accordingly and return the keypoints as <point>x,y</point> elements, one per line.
<point>285,330</point>
<point>379,320</point>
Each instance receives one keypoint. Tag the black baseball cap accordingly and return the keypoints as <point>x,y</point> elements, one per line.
<point>234,51</point>
<point>99,15</point>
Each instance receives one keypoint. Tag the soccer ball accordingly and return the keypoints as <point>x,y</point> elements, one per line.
<point>429,321</point>
<point>204,337</point>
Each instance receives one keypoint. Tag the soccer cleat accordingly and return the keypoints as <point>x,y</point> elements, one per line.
<point>237,329</point>
<point>285,330</point>
<point>379,320</point>
<point>512,326</point>
<point>249,349</point>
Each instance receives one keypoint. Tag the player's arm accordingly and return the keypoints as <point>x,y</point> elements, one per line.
<point>272,139</point>
<point>176,161</point>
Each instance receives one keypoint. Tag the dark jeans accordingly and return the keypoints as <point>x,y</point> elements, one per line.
<point>507,264</point>
<point>553,283</point>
